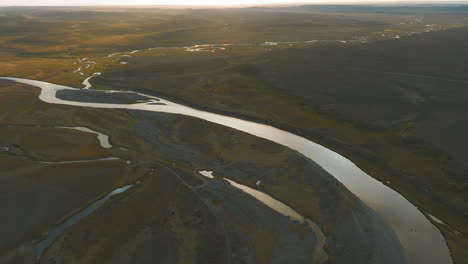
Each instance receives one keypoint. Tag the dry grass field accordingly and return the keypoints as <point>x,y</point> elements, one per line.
<point>383,86</point>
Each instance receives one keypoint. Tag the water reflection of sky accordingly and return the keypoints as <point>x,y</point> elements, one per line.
<point>422,241</point>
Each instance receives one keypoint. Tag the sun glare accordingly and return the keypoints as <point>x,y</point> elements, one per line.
<point>173,2</point>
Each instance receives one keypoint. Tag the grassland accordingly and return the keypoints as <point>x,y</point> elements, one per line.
<point>170,214</point>
<point>391,97</point>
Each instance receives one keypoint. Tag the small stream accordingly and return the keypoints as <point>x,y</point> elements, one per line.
<point>103,138</point>
<point>278,206</point>
<point>320,254</point>
<point>55,232</point>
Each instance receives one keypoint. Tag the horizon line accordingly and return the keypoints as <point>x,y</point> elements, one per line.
<point>299,3</point>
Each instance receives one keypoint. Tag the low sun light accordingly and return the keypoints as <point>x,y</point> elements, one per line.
<point>167,2</point>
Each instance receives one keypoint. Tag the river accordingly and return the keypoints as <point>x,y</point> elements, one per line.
<point>422,241</point>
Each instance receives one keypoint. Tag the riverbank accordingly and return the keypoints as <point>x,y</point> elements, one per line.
<point>346,172</point>
<point>244,158</point>
<point>383,121</point>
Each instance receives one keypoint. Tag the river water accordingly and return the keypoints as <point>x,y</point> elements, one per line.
<point>422,241</point>
<point>102,138</point>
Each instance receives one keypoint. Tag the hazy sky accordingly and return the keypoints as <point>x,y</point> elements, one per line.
<point>180,2</point>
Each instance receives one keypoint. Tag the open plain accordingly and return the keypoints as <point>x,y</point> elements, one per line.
<point>142,153</point>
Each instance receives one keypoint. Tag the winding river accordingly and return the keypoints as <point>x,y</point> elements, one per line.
<point>422,241</point>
